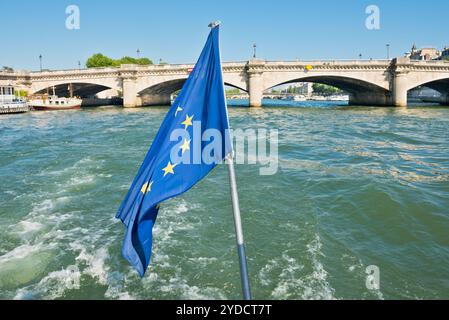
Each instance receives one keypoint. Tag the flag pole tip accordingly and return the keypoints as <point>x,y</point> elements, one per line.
<point>214,24</point>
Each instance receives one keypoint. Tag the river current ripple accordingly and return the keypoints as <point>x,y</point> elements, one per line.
<point>356,187</point>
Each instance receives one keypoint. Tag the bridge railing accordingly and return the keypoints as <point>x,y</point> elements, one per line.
<point>431,62</point>
<point>18,73</point>
<point>129,67</point>
<point>113,69</point>
<point>187,66</point>
<point>331,61</point>
<point>181,66</point>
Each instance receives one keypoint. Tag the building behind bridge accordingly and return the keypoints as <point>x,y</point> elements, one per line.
<point>445,54</point>
<point>424,54</point>
<point>428,54</point>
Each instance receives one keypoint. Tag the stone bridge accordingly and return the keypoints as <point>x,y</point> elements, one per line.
<point>373,82</point>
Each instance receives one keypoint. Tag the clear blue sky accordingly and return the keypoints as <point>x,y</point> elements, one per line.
<point>175,30</point>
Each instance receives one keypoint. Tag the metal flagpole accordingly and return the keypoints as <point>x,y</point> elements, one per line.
<point>238,229</point>
<point>236,208</point>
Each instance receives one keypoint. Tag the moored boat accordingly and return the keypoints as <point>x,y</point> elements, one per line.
<point>54,103</point>
<point>299,97</point>
<point>9,103</point>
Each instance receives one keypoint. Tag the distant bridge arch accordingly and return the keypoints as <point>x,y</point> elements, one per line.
<point>360,91</point>
<point>160,93</point>
<point>90,86</point>
<point>79,89</point>
<point>438,82</point>
<point>345,82</point>
<point>172,86</point>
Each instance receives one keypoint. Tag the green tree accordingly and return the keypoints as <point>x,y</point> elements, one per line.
<point>232,91</point>
<point>99,60</point>
<point>325,90</point>
<point>130,60</point>
<point>144,61</point>
<point>125,60</point>
<point>291,89</point>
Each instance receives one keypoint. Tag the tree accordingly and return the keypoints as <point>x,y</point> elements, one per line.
<point>130,60</point>
<point>99,60</point>
<point>325,90</point>
<point>291,89</point>
<point>144,61</point>
<point>233,91</point>
<point>125,60</point>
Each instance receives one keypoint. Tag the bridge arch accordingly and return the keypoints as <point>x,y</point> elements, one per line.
<point>348,84</point>
<point>361,92</point>
<point>160,93</point>
<point>439,81</point>
<point>439,84</point>
<point>81,88</point>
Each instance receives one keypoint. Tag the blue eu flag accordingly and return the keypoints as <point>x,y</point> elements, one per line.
<point>200,106</point>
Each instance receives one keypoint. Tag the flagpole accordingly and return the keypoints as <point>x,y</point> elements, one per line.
<point>238,228</point>
<point>236,208</point>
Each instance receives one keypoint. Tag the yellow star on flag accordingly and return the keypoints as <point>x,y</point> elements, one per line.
<point>146,187</point>
<point>178,110</point>
<point>185,146</point>
<point>188,122</point>
<point>169,168</point>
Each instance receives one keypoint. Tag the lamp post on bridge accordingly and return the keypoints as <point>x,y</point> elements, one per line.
<point>360,56</point>
<point>388,52</point>
<point>138,53</point>
<point>255,50</point>
<point>40,62</point>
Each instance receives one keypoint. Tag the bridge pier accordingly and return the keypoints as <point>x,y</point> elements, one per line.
<point>400,89</point>
<point>156,99</point>
<point>400,83</point>
<point>370,99</point>
<point>445,99</point>
<point>130,94</point>
<point>255,82</point>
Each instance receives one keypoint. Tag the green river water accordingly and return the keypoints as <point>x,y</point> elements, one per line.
<point>356,187</point>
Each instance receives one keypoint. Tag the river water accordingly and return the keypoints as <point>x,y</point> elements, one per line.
<point>356,187</point>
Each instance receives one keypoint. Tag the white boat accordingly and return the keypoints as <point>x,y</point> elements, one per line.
<point>339,98</point>
<point>318,98</point>
<point>54,102</point>
<point>9,103</point>
<point>299,97</point>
